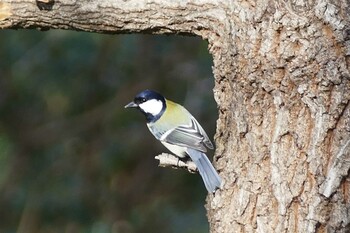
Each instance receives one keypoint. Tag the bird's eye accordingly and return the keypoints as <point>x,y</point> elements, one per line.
<point>143,100</point>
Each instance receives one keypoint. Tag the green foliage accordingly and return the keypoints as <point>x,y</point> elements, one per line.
<point>72,159</point>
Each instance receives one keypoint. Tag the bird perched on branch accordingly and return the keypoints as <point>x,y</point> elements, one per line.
<point>178,131</point>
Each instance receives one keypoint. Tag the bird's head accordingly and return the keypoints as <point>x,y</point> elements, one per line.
<point>150,103</point>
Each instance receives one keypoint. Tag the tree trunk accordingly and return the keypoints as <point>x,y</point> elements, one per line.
<point>282,88</point>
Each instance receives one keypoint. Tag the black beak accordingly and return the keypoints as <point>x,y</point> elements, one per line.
<point>131,105</point>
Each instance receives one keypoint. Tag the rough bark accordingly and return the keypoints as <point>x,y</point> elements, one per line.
<point>282,87</point>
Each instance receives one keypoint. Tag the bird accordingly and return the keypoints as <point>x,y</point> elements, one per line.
<point>179,132</point>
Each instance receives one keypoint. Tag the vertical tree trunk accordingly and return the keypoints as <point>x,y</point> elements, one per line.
<point>283,137</point>
<point>283,89</point>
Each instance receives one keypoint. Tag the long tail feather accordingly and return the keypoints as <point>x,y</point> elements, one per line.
<point>211,178</point>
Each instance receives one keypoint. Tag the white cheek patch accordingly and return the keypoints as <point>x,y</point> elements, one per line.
<point>153,106</point>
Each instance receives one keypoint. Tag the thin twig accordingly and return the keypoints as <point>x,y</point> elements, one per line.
<point>169,160</point>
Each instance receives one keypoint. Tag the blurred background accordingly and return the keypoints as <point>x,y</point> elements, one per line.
<point>72,159</point>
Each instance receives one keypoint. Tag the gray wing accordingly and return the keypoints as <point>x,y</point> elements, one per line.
<point>191,136</point>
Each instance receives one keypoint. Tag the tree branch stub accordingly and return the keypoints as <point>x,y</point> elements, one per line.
<point>169,160</point>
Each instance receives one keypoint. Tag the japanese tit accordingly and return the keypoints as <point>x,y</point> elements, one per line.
<point>178,131</point>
